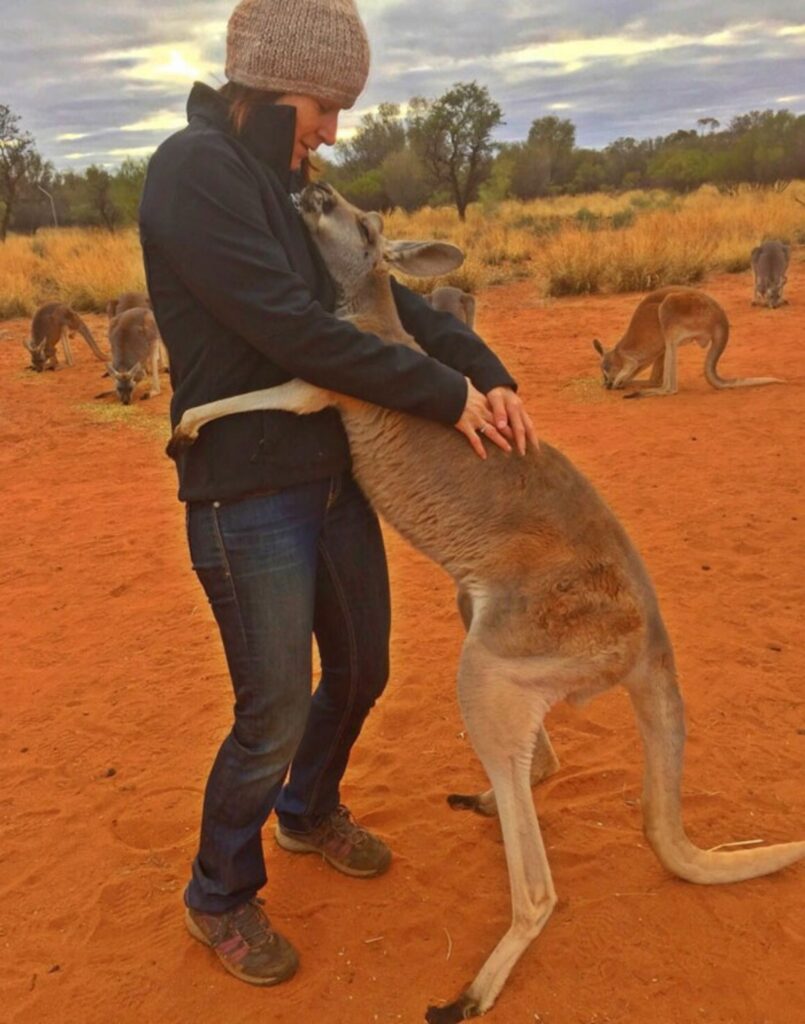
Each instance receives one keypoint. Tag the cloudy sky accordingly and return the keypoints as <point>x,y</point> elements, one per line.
<point>96,80</point>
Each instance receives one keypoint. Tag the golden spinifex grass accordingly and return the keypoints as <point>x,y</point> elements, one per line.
<point>82,267</point>
<point>568,245</point>
<point>574,245</point>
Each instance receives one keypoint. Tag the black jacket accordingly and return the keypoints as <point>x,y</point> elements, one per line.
<point>244,302</point>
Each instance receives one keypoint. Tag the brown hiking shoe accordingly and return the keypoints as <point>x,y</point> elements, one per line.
<point>245,943</point>
<point>342,842</point>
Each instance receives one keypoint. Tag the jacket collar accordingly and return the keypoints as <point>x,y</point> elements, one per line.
<point>269,135</point>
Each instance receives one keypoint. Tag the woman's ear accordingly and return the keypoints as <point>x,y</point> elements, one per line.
<point>423,259</point>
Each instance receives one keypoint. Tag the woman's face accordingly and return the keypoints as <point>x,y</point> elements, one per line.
<point>316,122</point>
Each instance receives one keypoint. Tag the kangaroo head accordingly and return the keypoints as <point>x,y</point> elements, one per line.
<point>352,245</point>
<point>610,364</point>
<point>126,381</point>
<point>37,353</point>
<point>774,294</point>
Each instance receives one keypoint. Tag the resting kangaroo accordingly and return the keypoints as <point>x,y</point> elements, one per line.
<point>769,265</point>
<point>134,341</point>
<point>556,601</point>
<point>453,300</point>
<point>664,320</point>
<point>53,323</point>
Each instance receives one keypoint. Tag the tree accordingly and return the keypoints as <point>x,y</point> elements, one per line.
<point>99,197</point>
<point>708,122</point>
<point>376,137</point>
<point>453,136</point>
<point>126,188</point>
<point>405,180</point>
<point>19,163</point>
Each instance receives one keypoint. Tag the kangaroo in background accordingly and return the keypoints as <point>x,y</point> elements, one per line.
<point>134,341</point>
<point>770,266</point>
<point>555,599</point>
<point>664,320</point>
<point>126,300</point>
<point>453,300</point>
<point>53,323</point>
<point>136,300</point>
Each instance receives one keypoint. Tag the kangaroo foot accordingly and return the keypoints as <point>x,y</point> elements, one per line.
<point>481,803</point>
<point>462,1009</point>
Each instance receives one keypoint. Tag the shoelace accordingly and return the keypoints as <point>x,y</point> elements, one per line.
<point>343,824</point>
<point>252,924</point>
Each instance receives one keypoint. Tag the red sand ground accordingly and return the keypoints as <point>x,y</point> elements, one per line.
<point>117,695</point>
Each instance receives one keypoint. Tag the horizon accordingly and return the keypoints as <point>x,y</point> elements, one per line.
<point>631,72</point>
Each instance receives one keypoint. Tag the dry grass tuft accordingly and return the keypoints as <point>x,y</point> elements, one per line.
<point>82,267</point>
<point>569,245</point>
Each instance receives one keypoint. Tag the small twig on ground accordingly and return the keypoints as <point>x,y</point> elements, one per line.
<point>449,943</point>
<point>379,938</point>
<point>738,842</point>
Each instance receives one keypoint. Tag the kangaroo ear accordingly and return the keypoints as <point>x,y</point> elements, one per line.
<point>111,308</point>
<point>137,368</point>
<point>599,348</point>
<point>29,345</point>
<point>423,259</point>
<point>112,371</point>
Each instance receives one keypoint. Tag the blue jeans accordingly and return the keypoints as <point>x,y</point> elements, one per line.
<point>278,569</point>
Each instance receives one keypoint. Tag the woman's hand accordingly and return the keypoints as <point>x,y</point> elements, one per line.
<point>511,419</point>
<point>478,419</point>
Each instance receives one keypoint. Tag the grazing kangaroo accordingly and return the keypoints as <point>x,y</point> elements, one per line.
<point>126,300</point>
<point>453,300</point>
<point>53,323</point>
<point>134,340</point>
<point>664,320</point>
<point>136,300</point>
<point>555,599</point>
<point>769,265</point>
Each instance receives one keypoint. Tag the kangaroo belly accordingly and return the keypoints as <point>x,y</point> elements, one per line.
<point>529,531</point>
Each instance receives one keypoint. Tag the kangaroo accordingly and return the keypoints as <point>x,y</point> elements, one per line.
<point>53,323</point>
<point>126,300</point>
<point>555,599</point>
<point>135,344</point>
<point>769,265</point>
<point>453,300</point>
<point>664,320</point>
<point>137,300</point>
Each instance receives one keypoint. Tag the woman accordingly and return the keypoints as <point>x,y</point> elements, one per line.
<point>281,538</point>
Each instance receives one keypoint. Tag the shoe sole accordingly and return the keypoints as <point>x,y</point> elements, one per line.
<point>299,846</point>
<point>250,979</point>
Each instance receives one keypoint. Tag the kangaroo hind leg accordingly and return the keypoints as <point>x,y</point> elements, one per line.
<point>544,763</point>
<point>503,712</point>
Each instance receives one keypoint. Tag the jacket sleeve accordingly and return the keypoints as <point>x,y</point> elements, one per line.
<point>213,229</point>
<point>450,341</point>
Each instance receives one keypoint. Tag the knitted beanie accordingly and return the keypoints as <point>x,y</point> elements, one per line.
<point>315,48</point>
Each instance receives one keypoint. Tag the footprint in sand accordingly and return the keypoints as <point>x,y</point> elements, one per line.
<point>160,819</point>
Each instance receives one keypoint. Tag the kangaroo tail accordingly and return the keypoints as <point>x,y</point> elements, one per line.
<point>86,334</point>
<point>714,353</point>
<point>660,715</point>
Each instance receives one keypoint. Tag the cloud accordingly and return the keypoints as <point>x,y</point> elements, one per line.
<point>120,76</point>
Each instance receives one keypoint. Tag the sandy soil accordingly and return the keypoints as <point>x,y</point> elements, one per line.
<point>116,696</point>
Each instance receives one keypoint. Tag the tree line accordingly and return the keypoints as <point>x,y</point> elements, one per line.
<point>437,152</point>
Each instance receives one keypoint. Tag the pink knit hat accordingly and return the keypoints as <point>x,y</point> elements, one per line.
<point>315,48</point>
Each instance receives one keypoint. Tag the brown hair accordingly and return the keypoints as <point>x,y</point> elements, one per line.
<point>243,101</point>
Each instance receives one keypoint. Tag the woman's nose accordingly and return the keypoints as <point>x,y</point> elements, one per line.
<point>328,129</point>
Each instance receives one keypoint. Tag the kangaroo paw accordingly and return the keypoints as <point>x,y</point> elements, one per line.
<point>462,1009</point>
<point>476,802</point>
<point>179,443</point>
